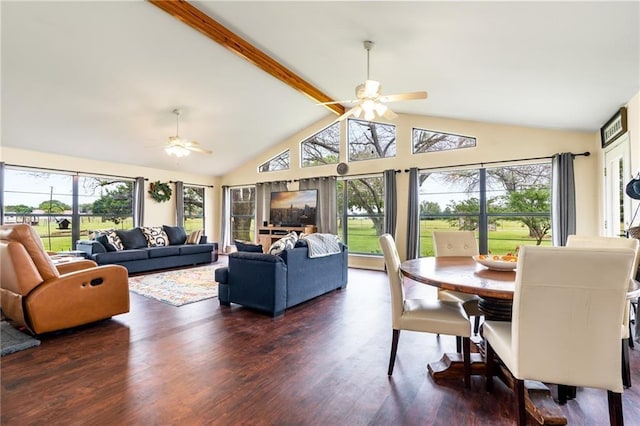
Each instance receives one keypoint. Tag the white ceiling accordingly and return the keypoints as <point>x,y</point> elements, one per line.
<point>100,79</point>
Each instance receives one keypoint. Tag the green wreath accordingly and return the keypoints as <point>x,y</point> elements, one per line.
<point>159,191</point>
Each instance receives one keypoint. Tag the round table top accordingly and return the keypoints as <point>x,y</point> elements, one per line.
<point>467,276</point>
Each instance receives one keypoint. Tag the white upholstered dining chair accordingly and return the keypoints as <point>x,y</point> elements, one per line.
<point>614,242</point>
<point>458,243</point>
<point>431,316</point>
<point>567,310</point>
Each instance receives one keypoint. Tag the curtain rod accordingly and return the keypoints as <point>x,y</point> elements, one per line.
<point>71,171</point>
<point>192,184</point>
<point>481,164</point>
<point>343,176</point>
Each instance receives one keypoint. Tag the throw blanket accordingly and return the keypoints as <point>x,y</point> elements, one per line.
<point>321,245</point>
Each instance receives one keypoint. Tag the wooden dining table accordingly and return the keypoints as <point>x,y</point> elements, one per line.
<point>494,289</point>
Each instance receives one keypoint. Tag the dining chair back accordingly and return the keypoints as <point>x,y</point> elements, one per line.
<point>424,315</point>
<point>614,242</point>
<point>567,310</point>
<point>455,243</point>
<point>458,243</point>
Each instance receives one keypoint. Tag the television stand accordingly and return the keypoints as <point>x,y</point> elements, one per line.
<point>267,235</point>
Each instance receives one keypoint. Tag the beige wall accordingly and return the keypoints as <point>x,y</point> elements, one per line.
<point>154,213</point>
<point>494,142</point>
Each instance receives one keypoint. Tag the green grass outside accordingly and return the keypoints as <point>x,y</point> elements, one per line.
<point>60,239</point>
<point>507,236</point>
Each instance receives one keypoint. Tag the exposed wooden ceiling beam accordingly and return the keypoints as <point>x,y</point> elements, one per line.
<point>198,20</point>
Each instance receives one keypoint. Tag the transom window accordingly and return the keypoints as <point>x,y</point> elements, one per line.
<point>279,162</point>
<point>321,148</point>
<point>432,141</point>
<point>368,140</point>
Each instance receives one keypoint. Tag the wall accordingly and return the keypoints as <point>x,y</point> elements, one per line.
<point>154,213</point>
<point>494,142</point>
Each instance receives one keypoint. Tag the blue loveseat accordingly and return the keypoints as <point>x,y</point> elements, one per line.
<point>273,283</point>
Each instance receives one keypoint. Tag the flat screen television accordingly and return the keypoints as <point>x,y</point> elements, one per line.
<point>293,208</point>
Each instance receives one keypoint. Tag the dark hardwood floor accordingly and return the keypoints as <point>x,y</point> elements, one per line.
<point>322,363</point>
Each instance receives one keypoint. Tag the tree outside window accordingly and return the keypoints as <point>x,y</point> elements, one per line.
<point>321,148</point>
<point>193,197</point>
<point>242,220</point>
<point>279,162</point>
<point>361,213</point>
<point>368,140</point>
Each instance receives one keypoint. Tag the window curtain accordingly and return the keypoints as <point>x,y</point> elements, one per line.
<point>390,202</point>
<point>179,203</point>
<point>326,214</point>
<point>413,215</point>
<point>224,207</point>
<point>263,198</point>
<point>1,192</point>
<point>138,202</point>
<point>563,198</point>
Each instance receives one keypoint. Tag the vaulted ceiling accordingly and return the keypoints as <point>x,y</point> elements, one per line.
<point>100,79</point>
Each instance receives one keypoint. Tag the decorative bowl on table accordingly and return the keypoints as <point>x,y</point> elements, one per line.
<point>497,263</point>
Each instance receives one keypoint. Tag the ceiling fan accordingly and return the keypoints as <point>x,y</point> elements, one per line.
<point>182,147</point>
<point>370,103</point>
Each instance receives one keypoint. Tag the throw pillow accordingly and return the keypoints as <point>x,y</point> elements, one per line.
<point>102,239</point>
<point>114,240</point>
<point>284,243</point>
<point>155,236</point>
<point>194,237</point>
<point>132,239</point>
<point>176,235</point>
<point>248,247</point>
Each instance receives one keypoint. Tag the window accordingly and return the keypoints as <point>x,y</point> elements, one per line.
<point>243,210</point>
<point>369,140</point>
<point>279,162</point>
<point>321,148</point>
<point>104,203</point>
<point>361,213</point>
<point>507,206</point>
<point>430,141</point>
<point>193,208</point>
<point>48,204</point>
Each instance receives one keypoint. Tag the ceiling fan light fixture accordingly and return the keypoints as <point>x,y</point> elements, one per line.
<point>177,150</point>
<point>380,109</point>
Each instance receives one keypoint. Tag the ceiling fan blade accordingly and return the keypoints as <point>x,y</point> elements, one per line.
<point>195,147</point>
<point>353,111</point>
<point>389,115</point>
<point>403,97</point>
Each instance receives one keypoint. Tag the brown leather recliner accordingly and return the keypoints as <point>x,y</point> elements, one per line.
<point>36,294</point>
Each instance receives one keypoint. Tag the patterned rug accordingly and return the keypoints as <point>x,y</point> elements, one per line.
<point>12,340</point>
<point>178,287</point>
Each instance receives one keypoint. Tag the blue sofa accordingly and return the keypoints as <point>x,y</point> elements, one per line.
<point>140,258</point>
<point>273,283</point>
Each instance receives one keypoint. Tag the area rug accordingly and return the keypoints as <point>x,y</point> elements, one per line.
<point>178,287</point>
<point>12,340</point>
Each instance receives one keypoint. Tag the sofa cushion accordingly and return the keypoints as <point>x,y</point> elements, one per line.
<point>196,248</point>
<point>155,236</point>
<point>284,243</point>
<point>120,256</point>
<point>163,251</point>
<point>194,237</point>
<point>176,235</point>
<point>102,239</point>
<point>132,239</point>
<point>248,247</point>
<point>114,239</point>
